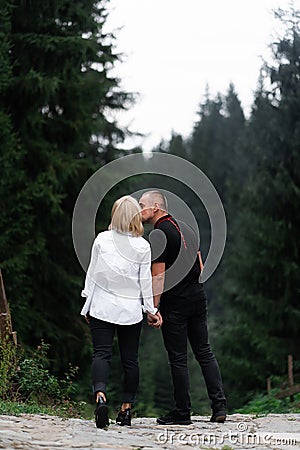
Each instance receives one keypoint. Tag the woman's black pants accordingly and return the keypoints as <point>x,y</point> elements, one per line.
<point>128,340</point>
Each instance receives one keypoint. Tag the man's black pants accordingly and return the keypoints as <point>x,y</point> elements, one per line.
<point>187,320</point>
<point>128,340</point>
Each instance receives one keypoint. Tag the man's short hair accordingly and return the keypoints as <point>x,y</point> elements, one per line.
<point>158,197</point>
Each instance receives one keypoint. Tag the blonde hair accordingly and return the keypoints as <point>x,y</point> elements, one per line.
<point>126,216</point>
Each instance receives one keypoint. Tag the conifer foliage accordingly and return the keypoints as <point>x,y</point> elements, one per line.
<point>261,296</point>
<point>56,94</point>
<point>254,164</point>
<point>56,91</point>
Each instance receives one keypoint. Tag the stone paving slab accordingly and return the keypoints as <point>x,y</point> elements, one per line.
<point>243,432</point>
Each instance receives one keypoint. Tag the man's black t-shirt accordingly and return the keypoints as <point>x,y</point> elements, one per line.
<point>176,244</point>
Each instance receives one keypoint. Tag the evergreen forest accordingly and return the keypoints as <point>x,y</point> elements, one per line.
<point>58,96</point>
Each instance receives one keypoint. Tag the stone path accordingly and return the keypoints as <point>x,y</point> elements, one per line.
<point>40,432</point>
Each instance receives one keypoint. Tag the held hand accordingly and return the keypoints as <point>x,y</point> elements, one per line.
<point>158,314</point>
<point>154,320</point>
<point>87,318</point>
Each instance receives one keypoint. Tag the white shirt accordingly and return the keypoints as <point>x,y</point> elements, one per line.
<point>118,284</point>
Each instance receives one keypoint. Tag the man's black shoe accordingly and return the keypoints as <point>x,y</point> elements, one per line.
<point>174,418</point>
<point>124,418</point>
<point>101,413</point>
<point>218,416</point>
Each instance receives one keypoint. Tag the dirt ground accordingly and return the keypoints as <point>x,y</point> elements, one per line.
<point>40,432</point>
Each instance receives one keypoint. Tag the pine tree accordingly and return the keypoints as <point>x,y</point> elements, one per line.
<point>177,146</point>
<point>15,220</point>
<point>59,90</point>
<point>262,283</point>
<point>215,137</point>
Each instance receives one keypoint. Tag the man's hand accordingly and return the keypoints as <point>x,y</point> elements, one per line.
<point>154,320</point>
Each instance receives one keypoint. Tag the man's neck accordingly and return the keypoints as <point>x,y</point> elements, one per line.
<point>158,216</point>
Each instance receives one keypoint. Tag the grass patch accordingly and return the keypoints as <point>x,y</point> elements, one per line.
<point>65,410</point>
<point>27,385</point>
<point>263,404</point>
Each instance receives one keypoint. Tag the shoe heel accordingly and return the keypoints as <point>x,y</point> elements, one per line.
<point>101,414</point>
<point>124,418</point>
<point>221,418</point>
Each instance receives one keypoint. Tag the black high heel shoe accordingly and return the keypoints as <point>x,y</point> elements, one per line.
<point>124,417</point>
<point>101,413</point>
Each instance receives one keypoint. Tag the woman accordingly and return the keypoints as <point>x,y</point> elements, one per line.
<point>118,288</point>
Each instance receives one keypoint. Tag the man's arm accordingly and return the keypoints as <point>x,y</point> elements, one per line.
<point>200,261</point>
<point>158,281</point>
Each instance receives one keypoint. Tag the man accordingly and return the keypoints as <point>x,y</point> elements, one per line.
<point>176,270</point>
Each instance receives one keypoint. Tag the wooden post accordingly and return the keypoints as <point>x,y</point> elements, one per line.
<point>5,317</point>
<point>292,388</point>
<point>290,374</point>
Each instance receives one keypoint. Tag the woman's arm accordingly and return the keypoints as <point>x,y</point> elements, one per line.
<point>146,282</point>
<point>90,274</point>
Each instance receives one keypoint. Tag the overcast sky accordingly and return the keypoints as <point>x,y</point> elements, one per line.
<point>174,48</point>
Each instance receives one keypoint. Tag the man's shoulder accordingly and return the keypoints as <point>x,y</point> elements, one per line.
<point>171,226</point>
<point>166,224</point>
